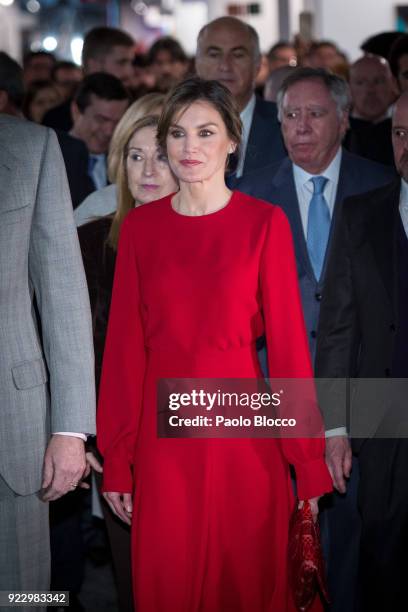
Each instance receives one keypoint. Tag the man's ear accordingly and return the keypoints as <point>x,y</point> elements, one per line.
<point>75,112</point>
<point>395,88</point>
<point>3,101</point>
<point>345,122</point>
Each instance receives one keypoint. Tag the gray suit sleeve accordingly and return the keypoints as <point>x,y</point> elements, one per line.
<point>57,275</point>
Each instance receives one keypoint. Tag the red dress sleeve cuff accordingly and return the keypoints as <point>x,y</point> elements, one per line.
<point>117,473</point>
<point>313,479</point>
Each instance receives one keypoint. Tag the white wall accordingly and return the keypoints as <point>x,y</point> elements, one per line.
<point>189,18</point>
<point>266,24</point>
<point>350,22</point>
<point>11,22</point>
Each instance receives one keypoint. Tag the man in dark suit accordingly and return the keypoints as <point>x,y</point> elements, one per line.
<point>363,333</point>
<point>97,108</point>
<point>372,92</point>
<point>310,186</point>
<point>228,51</point>
<point>76,161</point>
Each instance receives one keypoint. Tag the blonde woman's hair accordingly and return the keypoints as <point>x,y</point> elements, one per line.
<point>150,104</point>
<point>142,113</point>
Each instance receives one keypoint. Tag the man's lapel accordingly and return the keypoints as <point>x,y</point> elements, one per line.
<point>382,235</point>
<point>11,180</point>
<point>265,144</point>
<point>284,185</point>
<point>346,187</point>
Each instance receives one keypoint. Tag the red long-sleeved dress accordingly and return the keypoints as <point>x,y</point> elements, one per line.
<point>190,297</point>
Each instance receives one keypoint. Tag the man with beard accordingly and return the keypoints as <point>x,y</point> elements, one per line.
<point>363,333</point>
<point>372,92</point>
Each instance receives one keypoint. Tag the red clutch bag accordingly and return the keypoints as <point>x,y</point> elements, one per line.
<point>306,566</point>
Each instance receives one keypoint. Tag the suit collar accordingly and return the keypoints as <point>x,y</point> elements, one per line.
<point>8,159</point>
<point>382,234</point>
<point>11,173</point>
<point>283,181</point>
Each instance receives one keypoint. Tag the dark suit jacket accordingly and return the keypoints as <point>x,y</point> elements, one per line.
<point>276,184</point>
<point>359,317</point>
<point>265,144</point>
<point>99,264</point>
<point>370,140</point>
<point>76,157</point>
<point>59,117</point>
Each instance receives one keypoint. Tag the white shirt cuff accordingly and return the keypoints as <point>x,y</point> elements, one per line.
<point>337,431</point>
<point>70,433</point>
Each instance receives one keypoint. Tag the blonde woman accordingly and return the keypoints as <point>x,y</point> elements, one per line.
<point>141,174</point>
<point>104,201</point>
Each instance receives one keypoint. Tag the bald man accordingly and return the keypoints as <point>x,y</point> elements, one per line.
<point>228,52</point>
<point>372,92</point>
<point>363,333</point>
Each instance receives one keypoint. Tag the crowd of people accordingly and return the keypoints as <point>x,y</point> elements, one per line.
<point>277,246</point>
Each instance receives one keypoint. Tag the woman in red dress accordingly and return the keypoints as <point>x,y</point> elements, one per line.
<point>200,275</point>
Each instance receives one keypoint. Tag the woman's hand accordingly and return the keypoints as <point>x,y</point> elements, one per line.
<point>314,507</point>
<point>121,505</point>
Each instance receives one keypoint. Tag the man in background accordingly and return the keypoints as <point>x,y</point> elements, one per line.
<point>106,50</point>
<point>372,93</point>
<point>398,59</point>
<point>281,54</point>
<point>168,63</point>
<point>98,105</point>
<point>38,66</point>
<point>228,51</point>
<point>66,77</point>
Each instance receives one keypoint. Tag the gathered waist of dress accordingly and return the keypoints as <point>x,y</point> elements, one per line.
<point>205,362</point>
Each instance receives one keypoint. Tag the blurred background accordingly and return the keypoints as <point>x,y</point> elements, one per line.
<point>59,26</point>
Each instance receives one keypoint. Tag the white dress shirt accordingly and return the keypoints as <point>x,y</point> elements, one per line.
<point>246,117</point>
<point>99,172</point>
<point>98,204</point>
<point>403,205</point>
<point>304,187</point>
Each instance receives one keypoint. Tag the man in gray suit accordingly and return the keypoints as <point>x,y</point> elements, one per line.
<point>47,398</point>
<point>310,186</point>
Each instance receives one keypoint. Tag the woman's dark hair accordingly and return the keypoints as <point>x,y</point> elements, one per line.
<point>199,90</point>
<point>31,93</point>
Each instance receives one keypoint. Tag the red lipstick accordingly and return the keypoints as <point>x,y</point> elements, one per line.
<point>190,162</point>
